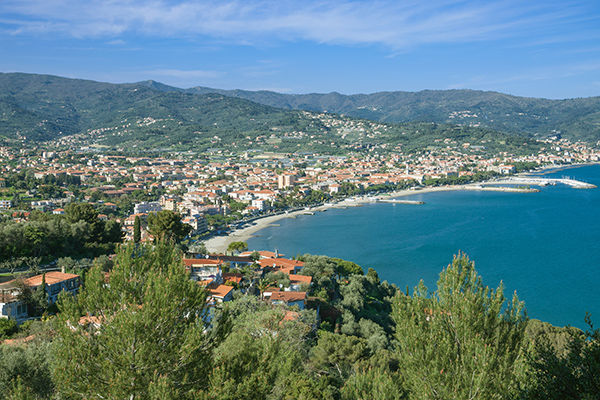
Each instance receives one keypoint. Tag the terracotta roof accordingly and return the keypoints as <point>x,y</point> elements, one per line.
<point>280,262</point>
<point>263,253</point>
<point>237,278</point>
<point>17,341</point>
<point>221,291</point>
<point>227,258</point>
<point>90,319</point>
<point>300,278</point>
<point>288,296</point>
<point>52,277</point>
<point>199,262</point>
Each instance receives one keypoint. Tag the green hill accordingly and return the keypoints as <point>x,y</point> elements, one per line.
<point>149,116</point>
<point>42,107</point>
<point>572,118</point>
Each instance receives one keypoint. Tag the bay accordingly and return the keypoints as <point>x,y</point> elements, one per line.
<point>543,245</point>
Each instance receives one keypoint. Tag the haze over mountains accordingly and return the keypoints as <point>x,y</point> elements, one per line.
<point>43,107</point>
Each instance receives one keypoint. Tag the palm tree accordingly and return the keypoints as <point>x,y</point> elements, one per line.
<point>263,284</point>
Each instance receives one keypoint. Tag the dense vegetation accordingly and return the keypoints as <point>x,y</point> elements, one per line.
<point>573,118</point>
<point>77,233</point>
<point>147,334</point>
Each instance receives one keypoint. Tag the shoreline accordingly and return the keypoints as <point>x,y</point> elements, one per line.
<point>557,168</point>
<point>218,244</point>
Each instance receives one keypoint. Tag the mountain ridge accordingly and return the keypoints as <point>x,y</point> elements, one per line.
<point>577,118</point>
<point>152,114</point>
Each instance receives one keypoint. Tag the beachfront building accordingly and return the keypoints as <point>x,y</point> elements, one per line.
<point>197,222</point>
<point>285,181</point>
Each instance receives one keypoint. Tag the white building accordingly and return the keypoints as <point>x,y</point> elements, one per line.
<point>260,204</point>
<point>197,222</point>
<point>147,207</point>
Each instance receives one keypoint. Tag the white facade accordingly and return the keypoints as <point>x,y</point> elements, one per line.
<point>11,307</point>
<point>147,207</point>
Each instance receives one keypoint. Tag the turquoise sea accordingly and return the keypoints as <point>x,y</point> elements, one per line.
<point>544,245</point>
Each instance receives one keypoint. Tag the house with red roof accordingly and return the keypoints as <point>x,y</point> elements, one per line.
<point>282,265</point>
<point>263,254</point>
<point>289,299</point>
<point>221,293</point>
<point>203,269</point>
<point>233,277</point>
<point>12,307</point>
<point>296,281</point>
<point>56,282</point>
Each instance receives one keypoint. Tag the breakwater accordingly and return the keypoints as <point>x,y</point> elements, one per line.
<point>528,180</point>
<point>508,189</point>
<point>399,201</point>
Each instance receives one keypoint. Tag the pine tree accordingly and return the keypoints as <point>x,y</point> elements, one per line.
<point>463,341</point>
<point>167,225</point>
<point>137,230</point>
<point>39,298</point>
<point>143,333</point>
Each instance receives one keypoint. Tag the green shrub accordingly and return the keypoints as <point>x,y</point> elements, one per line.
<point>7,327</point>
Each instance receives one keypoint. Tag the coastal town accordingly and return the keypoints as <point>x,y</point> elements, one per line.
<point>313,200</point>
<point>222,199</point>
<point>216,193</point>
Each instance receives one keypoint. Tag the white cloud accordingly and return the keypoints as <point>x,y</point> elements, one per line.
<point>393,24</point>
<point>550,73</point>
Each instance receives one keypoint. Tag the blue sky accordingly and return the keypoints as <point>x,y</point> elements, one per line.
<point>528,48</point>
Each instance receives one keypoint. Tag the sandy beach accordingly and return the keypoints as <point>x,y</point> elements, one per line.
<point>218,244</point>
